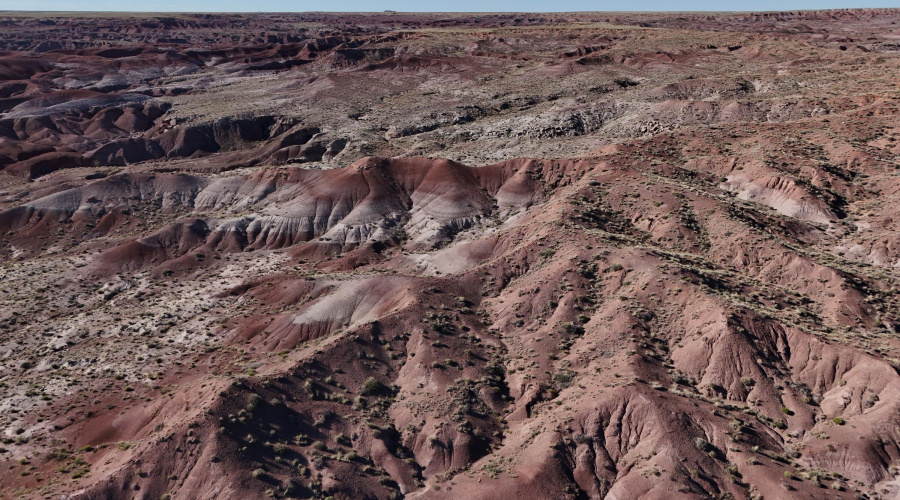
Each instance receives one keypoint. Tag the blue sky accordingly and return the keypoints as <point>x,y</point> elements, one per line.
<point>433,6</point>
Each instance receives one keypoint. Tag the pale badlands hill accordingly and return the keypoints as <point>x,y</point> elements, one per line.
<point>380,256</point>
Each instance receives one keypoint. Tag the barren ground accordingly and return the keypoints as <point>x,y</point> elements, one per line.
<point>499,256</point>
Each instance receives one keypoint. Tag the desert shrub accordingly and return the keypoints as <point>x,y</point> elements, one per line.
<point>253,402</point>
<point>372,386</point>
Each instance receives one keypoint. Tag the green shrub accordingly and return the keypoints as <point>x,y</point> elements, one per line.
<point>372,386</point>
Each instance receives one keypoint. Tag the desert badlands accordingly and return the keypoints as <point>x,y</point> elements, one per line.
<point>450,256</point>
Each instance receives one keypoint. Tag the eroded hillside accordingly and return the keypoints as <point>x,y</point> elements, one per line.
<point>602,256</point>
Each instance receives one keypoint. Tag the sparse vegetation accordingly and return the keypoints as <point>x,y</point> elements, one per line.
<point>203,275</point>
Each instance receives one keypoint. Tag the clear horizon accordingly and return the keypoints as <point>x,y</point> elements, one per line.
<point>474,6</point>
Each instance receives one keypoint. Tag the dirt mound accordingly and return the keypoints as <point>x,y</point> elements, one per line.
<point>22,69</point>
<point>44,164</point>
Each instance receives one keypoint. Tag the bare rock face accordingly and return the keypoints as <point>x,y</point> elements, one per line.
<point>497,256</point>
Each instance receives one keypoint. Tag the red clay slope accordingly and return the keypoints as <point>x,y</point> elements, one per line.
<point>207,298</point>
